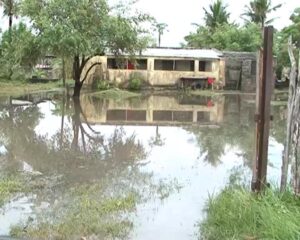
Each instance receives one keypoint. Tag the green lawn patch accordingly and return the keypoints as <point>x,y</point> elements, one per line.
<point>237,213</point>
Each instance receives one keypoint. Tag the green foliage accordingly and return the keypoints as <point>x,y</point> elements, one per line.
<point>237,214</point>
<point>258,10</point>
<point>81,29</point>
<point>135,81</point>
<point>101,85</point>
<point>216,15</point>
<point>19,52</point>
<point>226,37</point>
<point>8,187</point>
<point>281,41</point>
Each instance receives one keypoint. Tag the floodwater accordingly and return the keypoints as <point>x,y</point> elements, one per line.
<point>171,151</point>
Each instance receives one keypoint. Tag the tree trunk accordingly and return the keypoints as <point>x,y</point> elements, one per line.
<point>10,21</point>
<point>287,150</point>
<point>77,89</point>
<point>77,68</point>
<point>293,124</point>
<point>64,71</point>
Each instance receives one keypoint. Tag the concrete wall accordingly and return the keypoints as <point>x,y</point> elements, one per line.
<point>240,70</point>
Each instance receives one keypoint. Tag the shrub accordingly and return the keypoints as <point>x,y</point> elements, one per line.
<point>100,84</point>
<point>135,81</point>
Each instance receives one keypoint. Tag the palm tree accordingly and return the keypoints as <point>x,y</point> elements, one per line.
<point>9,9</point>
<point>258,10</point>
<point>216,14</point>
<point>161,27</point>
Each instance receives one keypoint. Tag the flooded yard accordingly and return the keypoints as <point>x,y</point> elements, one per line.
<point>139,168</point>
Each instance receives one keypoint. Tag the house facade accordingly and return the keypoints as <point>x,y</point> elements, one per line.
<point>171,66</point>
<point>163,66</point>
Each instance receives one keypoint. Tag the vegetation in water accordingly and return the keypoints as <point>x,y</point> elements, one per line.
<point>86,214</point>
<point>237,213</point>
<point>115,93</point>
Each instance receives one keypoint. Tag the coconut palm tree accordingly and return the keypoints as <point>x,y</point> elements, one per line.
<point>258,10</point>
<point>9,9</point>
<point>160,27</point>
<point>216,14</point>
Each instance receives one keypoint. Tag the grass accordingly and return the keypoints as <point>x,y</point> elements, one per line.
<point>13,88</point>
<point>115,93</point>
<point>206,93</point>
<point>9,187</point>
<point>86,214</point>
<point>239,214</point>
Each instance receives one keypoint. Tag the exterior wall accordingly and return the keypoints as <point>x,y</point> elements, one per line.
<point>151,76</point>
<point>240,70</point>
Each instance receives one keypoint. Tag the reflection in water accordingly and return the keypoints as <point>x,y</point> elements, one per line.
<point>155,156</point>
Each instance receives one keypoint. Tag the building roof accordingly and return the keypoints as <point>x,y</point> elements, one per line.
<point>182,52</point>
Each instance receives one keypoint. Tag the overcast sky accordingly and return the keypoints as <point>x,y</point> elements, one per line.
<point>179,14</point>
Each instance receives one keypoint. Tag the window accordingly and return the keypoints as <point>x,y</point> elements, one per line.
<point>140,64</point>
<point>113,63</point>
<point>174,65</point>
<point>184,65</point>
<point>205,66</point>
<point>166,65</point>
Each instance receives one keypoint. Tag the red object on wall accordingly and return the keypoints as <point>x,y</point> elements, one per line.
<point>210,80</point>
<point>130,66</point>
<point>210,103</point>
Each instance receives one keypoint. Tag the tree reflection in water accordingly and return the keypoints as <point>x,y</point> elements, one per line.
<point>88,181</point>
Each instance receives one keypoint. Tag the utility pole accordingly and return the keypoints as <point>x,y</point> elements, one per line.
<point>265,86</point>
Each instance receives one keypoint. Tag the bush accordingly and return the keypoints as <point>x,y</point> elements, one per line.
<point>135,81</point>
<point>101,85</point>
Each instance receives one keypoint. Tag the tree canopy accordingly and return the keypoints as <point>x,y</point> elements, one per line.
<point>226,37</point>
<point>216,14</point>
<point>257,11</point>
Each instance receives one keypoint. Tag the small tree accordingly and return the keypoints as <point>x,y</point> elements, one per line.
<point>80,29</point>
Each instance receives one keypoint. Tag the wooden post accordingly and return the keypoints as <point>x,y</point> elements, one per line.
<point>263,107</point>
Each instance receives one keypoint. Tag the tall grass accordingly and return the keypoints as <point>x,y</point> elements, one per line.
<point>237,213</point>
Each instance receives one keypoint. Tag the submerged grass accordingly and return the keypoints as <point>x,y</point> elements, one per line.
<point>88,215</point>
<point>9,187</point>
<point>116,94</point>
<point>237,213</point>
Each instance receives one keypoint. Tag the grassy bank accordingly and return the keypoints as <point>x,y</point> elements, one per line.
<point>237,213</point>
<point>20,88</point>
